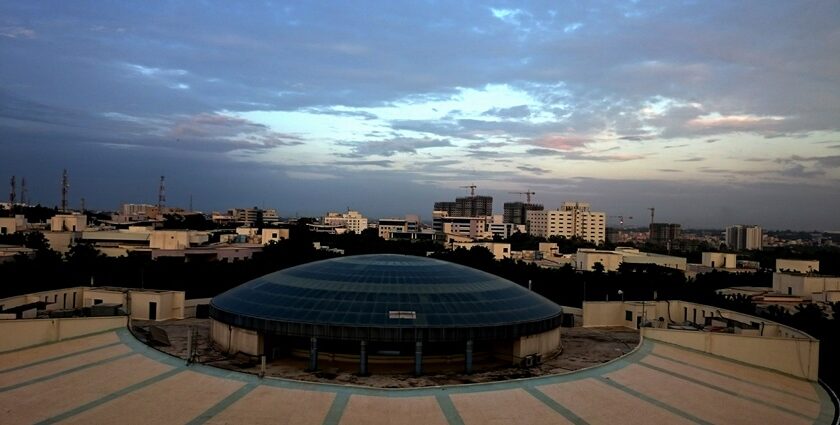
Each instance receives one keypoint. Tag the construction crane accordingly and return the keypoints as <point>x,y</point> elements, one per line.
<point>527,195</point>
<point>471,188</point>
<point>621,219</point>
<point>652,210</point>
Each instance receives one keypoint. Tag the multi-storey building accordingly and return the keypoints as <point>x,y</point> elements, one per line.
<point>664,234</point>
<point>516,212</point>
<point>468,206</point>
<point>388,227</point>
<point>573,219</point>
<point>742,237</point>
<point>352,220</point>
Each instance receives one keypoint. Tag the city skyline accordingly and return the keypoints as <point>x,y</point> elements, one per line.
<point>714,113</point>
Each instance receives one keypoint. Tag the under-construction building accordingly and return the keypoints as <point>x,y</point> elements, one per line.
<point>468,206</point>
<point>516,212</point>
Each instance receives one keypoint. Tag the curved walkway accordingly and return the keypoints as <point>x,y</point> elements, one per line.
<point>113,378</point>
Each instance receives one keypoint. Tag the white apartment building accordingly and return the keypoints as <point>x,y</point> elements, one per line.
<point>9,225</point>
<point>353,221</point>
<point>573,219</point>
<point>741,237</point>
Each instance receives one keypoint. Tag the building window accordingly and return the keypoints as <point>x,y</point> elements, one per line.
<point>628,315</point>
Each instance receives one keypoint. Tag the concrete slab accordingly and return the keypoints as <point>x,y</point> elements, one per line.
<point>271,405</point>
<point>368,410</point>
<point>34,354</point>
<point>769,394</point>
<point>176,399</point>
<point>514,407</point>
<point>45,399</point>
<point>596,402</point>
<point>39,370</point>
<point>757,375</point>
<point>701,401</point>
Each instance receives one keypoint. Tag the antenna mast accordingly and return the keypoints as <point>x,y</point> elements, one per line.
<point>652,210</point>
<point>65,185</point>
<point>12,193</point>
<point>161,195</point>
<point>24,198</point>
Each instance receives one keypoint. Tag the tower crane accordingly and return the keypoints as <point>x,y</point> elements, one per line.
<point>527,195</point>
<point>471,188</point>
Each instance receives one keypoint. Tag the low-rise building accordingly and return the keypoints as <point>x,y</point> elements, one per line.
<point>498,249</point>
<point>585,259</point>
<point>720,260</point>
<point>144,304</point>
<point>274,235</point>
<point>809,285</point>
<point>9,225</point>
<point>74,222</point>
<point>797,266</point>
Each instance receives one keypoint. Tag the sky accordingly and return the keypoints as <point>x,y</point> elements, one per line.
<point>713,112</point>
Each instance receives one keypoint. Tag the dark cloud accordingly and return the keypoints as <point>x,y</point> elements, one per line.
<point>375,163</point>
<point>534,170</point>
<point>393,146</point>
<point>514,112</point>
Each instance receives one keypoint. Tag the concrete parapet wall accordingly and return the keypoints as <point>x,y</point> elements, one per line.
<point>232,340</point>
<point>793,356</point>
<point>15,334</point>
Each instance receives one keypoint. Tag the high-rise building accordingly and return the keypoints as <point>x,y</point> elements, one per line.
<point>742,237</point>
<point>664,234</point>
<point>515,212</point>
<point>573,219</point>
<point>467,206</point>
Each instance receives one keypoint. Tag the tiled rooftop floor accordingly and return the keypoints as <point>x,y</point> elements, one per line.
<point>113,378</point>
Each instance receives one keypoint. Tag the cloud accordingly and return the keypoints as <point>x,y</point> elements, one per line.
<point>533,170</point>
<point>17,32</point>
<point>393,146</point>
<point>559,142</point>
<point>692,159</point>
<point>374,163</point>
<point>514,112</point>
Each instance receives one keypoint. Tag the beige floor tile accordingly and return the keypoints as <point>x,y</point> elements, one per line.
<point>700,401</point>
<point>176,399</point>
<point>507,407</point>
<point>35,354</point>
<point>759,376</point>
<point>56,366</point>
<point>598,403</point>
<point>796,404</point>
<point>365,410</point>
<point>280,406</point>
<point>42,400</point>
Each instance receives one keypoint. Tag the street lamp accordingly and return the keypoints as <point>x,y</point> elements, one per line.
<point>620,292</point>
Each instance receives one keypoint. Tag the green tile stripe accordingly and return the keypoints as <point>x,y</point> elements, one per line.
<point>449,411</point>
<point>557,407</point>
<point>59,357</point>
<point>654,401</point>
<point>66,371</point>
<point>337,408</point>
<point>114,395</point>
<point>719,373</point>
<point>725,390</point>
<point>223,404</point>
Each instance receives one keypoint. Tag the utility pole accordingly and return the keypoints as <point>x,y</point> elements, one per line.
<point>65,185</point>
<point>83,205</point>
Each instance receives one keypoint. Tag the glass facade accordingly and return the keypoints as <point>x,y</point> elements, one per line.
<point>389,297</point>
